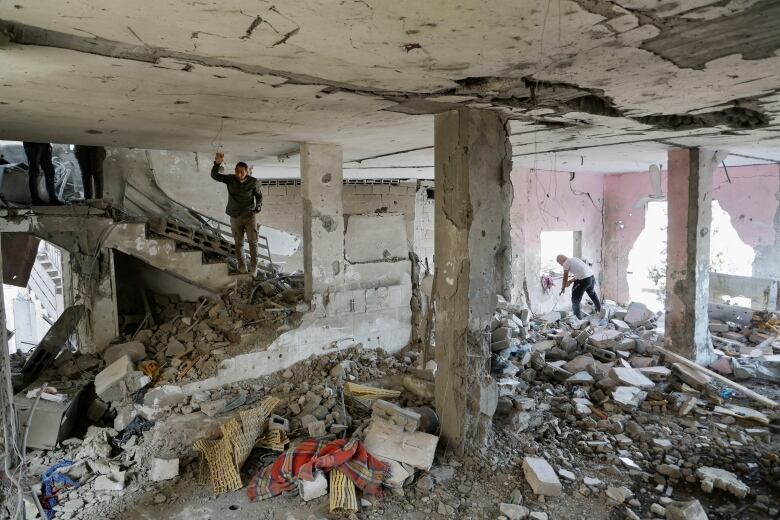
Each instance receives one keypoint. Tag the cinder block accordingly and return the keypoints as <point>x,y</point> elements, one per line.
<point>413,448</point>
<point>134,349</point>
<point>541,477</point>
<point>403,418</point>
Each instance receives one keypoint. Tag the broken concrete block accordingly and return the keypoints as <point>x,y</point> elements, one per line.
<point>114,482</point>
<point>276,422</point>
<point>655,373</point>
<point>619,494</point>
<point>134,349</point>
<point>413,448</point>
<point>630,377</point>
<point>403,418</point>
<point>620,325</point>
<point>626,345</point>
<point>501,334</point>
<point>163,469</point>
<point>685,511</point>
<point>541,346</point>
<point>124,414</point>
<point>212,408</point>
<point>628,396</point>
<point>309,490</point>
<point>97,409</point>
<point>174,348</point>
<point>165,396</point>
<point>566,474</point>
<point>398,473</point>
<point>316,429</point>
<point>580,378</point>
<point>712,478</point>
<point>118,380</point>
<point>637,314</point>
<point>541,477</point>
<point>718,326</point>
<point>605,338</point>
<point>579,364</point>
<point>514,511</point>
<point>691,377</point>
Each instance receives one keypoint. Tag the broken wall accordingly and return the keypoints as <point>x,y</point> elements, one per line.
<point>552,201</point>
<point>749,194</point>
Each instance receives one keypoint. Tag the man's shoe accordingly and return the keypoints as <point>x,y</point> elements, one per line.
<point>37,201</point>
<point>56,202</point>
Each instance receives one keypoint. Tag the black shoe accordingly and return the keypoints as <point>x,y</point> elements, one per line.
<point>56,202</point>
<point>37,201</point>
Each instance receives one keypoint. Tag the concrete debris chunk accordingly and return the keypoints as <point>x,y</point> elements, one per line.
<point>628,396</point>
<point>416,449</point>
<point>114,482</point>
<point>619,494</point>
<point>163,469</point>
<point>165,396</point>
<point>566,474</point>
<point>630,377</point>
<point>655,373</point>
<point>693,378</point>
<point>403,418</point>
<point>605,338</point>
<point>541,477</point>
<point>580,378</point>
<point>309,490</point>
<point>119,379</point>
<point>685,511</point>
<point>637,314</point>
<point>135,350</point>
<point>514,511</point>
<point>716,478</point>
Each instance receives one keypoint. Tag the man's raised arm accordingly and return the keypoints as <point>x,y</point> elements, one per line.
<point>218,159</point>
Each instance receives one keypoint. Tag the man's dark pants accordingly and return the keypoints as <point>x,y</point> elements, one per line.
<point>245,225</point>
<point>39,157</point>
<point>90,160</point>
<point>586,285</point>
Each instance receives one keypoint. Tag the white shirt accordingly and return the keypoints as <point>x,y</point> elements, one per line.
<point>577,268</point>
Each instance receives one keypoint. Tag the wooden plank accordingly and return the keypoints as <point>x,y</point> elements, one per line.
<point>736,386</point>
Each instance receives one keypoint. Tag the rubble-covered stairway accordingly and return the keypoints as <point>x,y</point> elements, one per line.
<point>198,256</point>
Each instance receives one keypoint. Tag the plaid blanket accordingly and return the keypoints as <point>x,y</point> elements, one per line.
<point>299,462</point>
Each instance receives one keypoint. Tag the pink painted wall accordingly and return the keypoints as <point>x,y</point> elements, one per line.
<point>751,199</point>
<point>548,201</point>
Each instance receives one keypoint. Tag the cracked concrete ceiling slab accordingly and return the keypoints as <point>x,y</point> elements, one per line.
<point>582,81</point>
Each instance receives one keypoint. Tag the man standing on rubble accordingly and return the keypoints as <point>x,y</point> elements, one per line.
<point>244,202</point>
<point>583,279</point>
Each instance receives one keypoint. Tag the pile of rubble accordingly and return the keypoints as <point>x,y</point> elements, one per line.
<point>601,394</point>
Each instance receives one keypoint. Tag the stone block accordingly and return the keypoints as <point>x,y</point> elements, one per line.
<point>580,378</point>
<point>658,373</point>
<point>309,490</point>
<point>114,482</point>
<point>630,377</point>
<point>716,478</point>
<point>163,469</point>
<point>579,364</point>
<point>500,334</point>
<point>685,511</point>
<point>514,511</point>
<point>637,314</point>
<point>316,429</point>
<point>541,477</point>
<point>605,338</point>
<point>119,379</point>
<point>416,449</point>
<point>628,396</point>
<point>165,396</point>
<point>402,418</point>
<point>276,422</point>
<point>620,325</point>
<point>691,377</point>
<point>544,345</point>
<point>134,349</point>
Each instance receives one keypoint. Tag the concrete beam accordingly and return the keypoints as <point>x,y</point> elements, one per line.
<point>688,252</point>
<point>323,221</point>
<point>473,161</point>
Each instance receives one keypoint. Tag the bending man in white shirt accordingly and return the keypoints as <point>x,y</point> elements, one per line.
<point>583,281</point>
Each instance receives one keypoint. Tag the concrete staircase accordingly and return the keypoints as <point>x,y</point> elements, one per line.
<point>198,256</point>
<point>133,239</point>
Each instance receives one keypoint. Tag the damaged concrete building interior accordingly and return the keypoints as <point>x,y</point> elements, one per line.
<point>427,190</point>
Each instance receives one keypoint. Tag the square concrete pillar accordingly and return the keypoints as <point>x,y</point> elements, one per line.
<point>323,221</point>
<point>473,161</point>
<point>689,188</point>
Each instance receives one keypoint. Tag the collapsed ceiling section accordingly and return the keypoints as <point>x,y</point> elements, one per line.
<point>259,78</point>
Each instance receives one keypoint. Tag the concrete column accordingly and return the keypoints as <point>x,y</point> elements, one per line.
<point>323,221</point>
<point>689,188</point>
<point>473,161</point>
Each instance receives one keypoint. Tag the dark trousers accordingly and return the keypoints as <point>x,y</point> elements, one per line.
<point>39,157</point>
<point>90,160</point>
<point>245,225</point>
<point>586,285</point>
